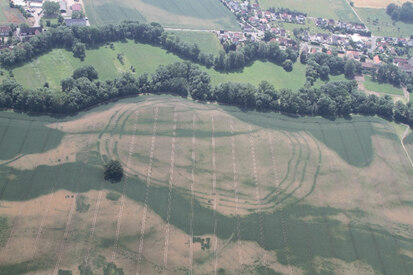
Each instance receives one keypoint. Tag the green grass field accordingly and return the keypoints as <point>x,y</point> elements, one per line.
<point>208,42</point>
<point>59,64</point>
<point>260,71</point>
<point>263,192</point>
<point>335,9</point>
<point>9,15</point>
<point>201,14</point>
<point>381,88</point>
<point>385,26</point>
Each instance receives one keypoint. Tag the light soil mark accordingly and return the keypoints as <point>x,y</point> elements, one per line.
<point>171,183</point>
<point>148,184</point>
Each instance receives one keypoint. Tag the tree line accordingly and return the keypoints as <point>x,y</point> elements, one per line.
<point>84,89</point>
<point>402,13</point>
<point>78,38</point>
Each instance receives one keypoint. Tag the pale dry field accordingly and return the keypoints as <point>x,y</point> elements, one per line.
<point>377,4</point>
<point>259,194</point>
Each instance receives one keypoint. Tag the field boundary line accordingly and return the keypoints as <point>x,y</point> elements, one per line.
<point>148,184</point>
<point>191,217</point>
<point>171,182</point>
<point>283,222</point>
<point>69,218</point>
<point>125,185</point>
<point>214,194</point>
<point>257,194</point>
<point>235,181</point>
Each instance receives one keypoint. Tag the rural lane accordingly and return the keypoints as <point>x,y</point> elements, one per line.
<point>406,132</point>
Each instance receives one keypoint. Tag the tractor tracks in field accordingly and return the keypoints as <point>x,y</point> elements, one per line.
<point>257,195</point>
<point>147,189</point>
<point>125,185</point>
<point>382,202</point>
<point>171,183</point>
<point>235,181</point>
<point>89,240</point>
<point>214,194</point>
<point>283,222</point>
<point>191,217</point>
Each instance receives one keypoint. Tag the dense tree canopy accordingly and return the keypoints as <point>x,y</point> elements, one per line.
<point>51,8</point>
<point>113,171</point>
<point>401,13</point>
<point>334,99</point>
<point>77,39</point>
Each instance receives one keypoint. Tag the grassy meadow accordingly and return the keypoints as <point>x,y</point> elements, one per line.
<point>202,14</point>
<point>59,64</point>
<point>207,188</point>
<point>384,88</point>
<point>385,25</point>
<point>332,9</point>
<point>207,42</point>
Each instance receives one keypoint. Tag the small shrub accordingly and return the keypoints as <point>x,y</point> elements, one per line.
<point>113,171</point>
<point>81,204</point>
<point>112,196</point>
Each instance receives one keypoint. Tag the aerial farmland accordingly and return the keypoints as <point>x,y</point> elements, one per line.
<point>205,137</point>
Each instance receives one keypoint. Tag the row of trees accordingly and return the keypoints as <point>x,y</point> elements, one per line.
<point>78,39</point>
<point>321,65</point>
<point>83,89</point>
<point>392,74</point>
<point>401,13</point>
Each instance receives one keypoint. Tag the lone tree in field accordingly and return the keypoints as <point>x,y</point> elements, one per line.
<point>113,171</point>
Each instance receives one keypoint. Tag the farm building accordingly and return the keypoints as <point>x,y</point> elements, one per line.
<point>5,30</point>
<point>35,3</point>
<point>76,7</point>
<point>26,33</point>
<point>63,6</point>
<point>377,60</point>
<point>76,22</point>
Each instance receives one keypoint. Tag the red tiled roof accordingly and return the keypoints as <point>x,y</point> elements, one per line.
<point>76,7</point>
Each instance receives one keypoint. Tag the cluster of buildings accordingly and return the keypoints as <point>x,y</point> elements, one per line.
<point>344,27</point>
<point>349,40</point>
<point>34,7</point>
